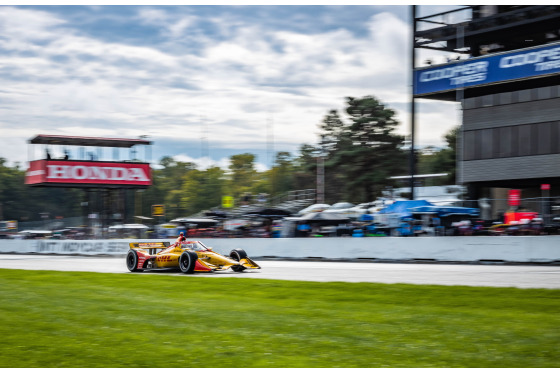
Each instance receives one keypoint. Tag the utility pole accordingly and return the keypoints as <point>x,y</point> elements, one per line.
<point>270,149</point>
<point>412,157</point>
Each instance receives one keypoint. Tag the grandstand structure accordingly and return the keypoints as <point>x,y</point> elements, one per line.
<point>108,170</point>
<point>502,64</point>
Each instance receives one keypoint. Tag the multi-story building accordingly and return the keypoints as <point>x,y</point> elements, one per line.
<point>503,66</point>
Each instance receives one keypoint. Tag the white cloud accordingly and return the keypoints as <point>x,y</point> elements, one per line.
<point>28,25</point>
<point>152,16</point>
<point>172,25</point>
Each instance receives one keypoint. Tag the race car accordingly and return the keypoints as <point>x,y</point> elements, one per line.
<point>187,256</point>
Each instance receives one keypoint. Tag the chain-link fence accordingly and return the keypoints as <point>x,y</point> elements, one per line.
<point>52,224</point>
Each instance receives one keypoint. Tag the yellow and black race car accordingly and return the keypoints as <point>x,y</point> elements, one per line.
<point>187,256</point>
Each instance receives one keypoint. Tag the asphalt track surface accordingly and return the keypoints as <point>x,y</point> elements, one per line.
<point>520,276</point>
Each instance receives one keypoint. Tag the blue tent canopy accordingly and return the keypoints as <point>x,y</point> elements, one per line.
<point>404,208</point>
<point>443,211</point>
<point>366,217</point>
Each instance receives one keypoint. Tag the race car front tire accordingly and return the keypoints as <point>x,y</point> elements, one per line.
<point>132,261</point>
<point>237,254</point>
<point>187,262</point>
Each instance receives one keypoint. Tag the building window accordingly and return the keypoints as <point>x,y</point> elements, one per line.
<point>496,143</point>
<point>469,103</point>
<point>525,95</point>
<point>486,143</point>
<point>487,100</point>
<point>544,93</point>
<point>505,141</point>
<point>512,141</point>
<point>555,137</point>
<point>469,144</point>
<point>544,138</point>
<point>524,140</point>
<point>505,98</point>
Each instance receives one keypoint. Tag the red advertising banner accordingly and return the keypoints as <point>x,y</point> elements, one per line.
<point>87,172</point>
<point>514,197</point>
<point>36,172</point>
<point>545,186</point>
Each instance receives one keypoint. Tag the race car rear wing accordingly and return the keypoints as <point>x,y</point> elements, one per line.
<point>152,248</point>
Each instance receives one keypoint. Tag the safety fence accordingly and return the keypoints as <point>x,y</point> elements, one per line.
<point>529,249</point>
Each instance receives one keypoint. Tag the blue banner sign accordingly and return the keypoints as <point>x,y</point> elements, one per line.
<point>479,71</point>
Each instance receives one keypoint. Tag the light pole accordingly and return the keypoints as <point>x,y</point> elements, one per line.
<point>320,179</point>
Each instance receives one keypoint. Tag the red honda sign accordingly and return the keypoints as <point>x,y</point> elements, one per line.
<point>514,197</point>
<point>545,186</point>
<point>86,172</point>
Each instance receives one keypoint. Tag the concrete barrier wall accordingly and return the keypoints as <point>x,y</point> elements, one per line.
<point>462,248</point>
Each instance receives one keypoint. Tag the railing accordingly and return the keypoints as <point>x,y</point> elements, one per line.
<point>294,200</point>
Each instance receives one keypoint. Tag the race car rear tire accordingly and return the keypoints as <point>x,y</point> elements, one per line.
<point>132,261</point>
<point>187,262</point>
<point>237,254</point>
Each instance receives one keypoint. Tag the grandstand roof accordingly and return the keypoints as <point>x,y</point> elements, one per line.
<point>87,141</point>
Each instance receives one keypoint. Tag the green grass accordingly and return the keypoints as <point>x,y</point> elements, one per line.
<point>71,319</point>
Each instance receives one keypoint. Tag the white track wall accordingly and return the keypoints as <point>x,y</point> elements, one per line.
<point>462,248</point>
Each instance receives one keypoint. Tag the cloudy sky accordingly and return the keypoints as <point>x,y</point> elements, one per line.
<point>203,82</point>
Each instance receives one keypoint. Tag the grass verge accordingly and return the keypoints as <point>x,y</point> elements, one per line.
<point>74,319</point>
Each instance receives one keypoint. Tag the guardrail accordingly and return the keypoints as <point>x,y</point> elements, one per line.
<point>531,249</point>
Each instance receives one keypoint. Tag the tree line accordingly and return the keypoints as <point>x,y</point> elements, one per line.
<point>359,147</point>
